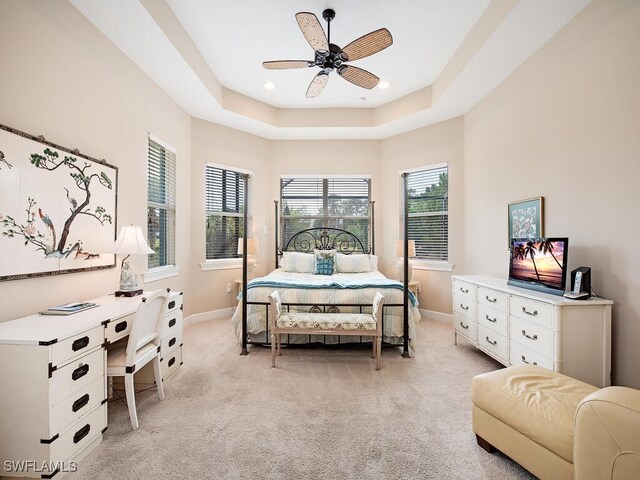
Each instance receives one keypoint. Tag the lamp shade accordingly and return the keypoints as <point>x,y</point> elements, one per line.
<point>253,248</point>
<point>131,241</point>
<point>398,251</point>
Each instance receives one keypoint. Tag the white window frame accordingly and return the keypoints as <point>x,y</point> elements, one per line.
<point>227,263</point>
<point>423,263</point>
<point>171,270</point>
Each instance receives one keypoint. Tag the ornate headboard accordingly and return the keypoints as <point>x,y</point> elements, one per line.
<point>325,238</point>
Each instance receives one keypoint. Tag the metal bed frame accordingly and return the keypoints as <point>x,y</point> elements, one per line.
<point>325,238</point>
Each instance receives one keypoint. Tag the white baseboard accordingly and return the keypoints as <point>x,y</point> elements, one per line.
<point>210,315</point>
<point>437,316</point>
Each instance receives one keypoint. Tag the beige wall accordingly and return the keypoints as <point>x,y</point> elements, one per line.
<point>565,126</point>
<point>439,143</point>
<point>63,79</point>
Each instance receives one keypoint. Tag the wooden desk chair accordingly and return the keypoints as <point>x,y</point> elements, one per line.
<point>142,347</point>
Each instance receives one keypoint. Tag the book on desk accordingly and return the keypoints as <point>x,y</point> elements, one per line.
<point>69,308</point>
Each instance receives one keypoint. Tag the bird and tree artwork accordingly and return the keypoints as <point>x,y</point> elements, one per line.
<point>525,219</point>
<point>57,208</point>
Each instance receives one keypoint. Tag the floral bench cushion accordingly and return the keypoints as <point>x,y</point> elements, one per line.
<point>327,321</point>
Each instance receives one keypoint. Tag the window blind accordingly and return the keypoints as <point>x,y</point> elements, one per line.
<point>428,205</point>
<point>225,198</point>
<point>161,204</point>
<point>342,202</point>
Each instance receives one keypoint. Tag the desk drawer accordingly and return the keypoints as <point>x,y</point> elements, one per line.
<point>79,435</point>
<point>174,303</point>
<point>171,342</point>
<point>464,289</point>
<point>466,327</point>
<point>77,346</point>
<point>77,405</point>
<point>170,362</point>
<point>120,328</point>
<point>532,310</point>
<point>518,354</point>
<point>77,375</point>
<point>532,335</point>
<point>490,341</point>
<point>172,323</point>
<point>493,298</point>
<point>494,319</point>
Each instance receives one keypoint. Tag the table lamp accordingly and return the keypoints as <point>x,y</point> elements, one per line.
<point>252,249</point>
<point>130,242</point>
<point>399,253</point>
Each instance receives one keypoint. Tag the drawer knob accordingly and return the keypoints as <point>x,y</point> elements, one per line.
<point>80,434</point>
<point>492,300</point>
<point>494,343</point>
<point>524,334</point>
<point>120,327</point>
<point>80,343</point>
<point>80,372</point>
<point>524,360</point>
<point>466,327</point>
<point>533,314</point>
<point>172,322</point>
<point>172,342</point>
<point>492,320</point>
<point>172,361</point>
<point>464,290</point>
<point>81,402</point>
<point>464,307</point>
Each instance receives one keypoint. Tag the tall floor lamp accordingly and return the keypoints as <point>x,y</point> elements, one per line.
<point>130,242</point>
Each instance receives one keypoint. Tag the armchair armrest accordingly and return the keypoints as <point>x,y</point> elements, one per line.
<point>606,442</point>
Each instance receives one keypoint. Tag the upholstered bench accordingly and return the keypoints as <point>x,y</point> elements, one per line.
<point>359,324</point>
<point>556,426</point>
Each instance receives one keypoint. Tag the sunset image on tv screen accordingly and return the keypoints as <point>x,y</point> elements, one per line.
<point>538,261</point>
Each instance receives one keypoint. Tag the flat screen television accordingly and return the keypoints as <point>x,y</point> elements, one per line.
<point>539,264</point>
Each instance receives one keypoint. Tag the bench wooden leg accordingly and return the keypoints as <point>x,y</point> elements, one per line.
<point>279,343</point>
<point>484,444</point>
<point>373,342</point>
<point>378,349</point>
<point>273,350</point>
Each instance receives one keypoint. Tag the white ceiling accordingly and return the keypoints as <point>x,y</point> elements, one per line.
<point>452,53</point>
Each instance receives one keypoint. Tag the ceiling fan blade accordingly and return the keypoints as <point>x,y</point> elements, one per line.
<point>286,64</point>
<point>368,45</point>
<point>312,31</point>
<point>358,76</point>
<point>317,85</point>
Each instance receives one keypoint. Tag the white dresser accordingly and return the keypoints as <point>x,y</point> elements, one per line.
<point>53,390</point>
<point>516,325</point>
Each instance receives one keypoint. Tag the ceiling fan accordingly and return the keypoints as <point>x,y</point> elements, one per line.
<point>330,57</point>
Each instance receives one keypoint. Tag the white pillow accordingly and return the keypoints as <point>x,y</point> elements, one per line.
<point>374,262</point>
<point>297,262</point>
<point>354,263</point>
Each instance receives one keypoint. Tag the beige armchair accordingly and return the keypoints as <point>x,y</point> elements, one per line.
<point>606,442</point>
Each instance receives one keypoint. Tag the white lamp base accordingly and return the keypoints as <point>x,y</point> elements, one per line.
<point>400,271</point>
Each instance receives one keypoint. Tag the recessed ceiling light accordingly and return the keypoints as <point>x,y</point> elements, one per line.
<point>362,99</point>
<point>383,85</point>
<point>269,85</point>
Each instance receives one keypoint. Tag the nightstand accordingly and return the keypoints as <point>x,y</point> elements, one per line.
<point>415,286</point>
<point>238,283</point>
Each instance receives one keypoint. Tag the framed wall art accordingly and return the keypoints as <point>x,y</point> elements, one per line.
<point>57,208</point>
<point>526,219</point>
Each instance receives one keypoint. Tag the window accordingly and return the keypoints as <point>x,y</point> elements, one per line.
<point>161,203</point>
<point>225,203</point>
<point>311,202</point>
<point>428,203</point>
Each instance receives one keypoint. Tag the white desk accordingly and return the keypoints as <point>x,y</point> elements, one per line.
<point>53,374</point>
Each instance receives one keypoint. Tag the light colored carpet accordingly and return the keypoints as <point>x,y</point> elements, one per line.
<point>322,414</point>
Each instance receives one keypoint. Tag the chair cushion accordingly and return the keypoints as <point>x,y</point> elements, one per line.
<point>537,402</point>
<point>327,321</point>
<point>117,357</point>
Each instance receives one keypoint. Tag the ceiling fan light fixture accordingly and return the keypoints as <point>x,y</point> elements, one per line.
<point>269,85</point>
<point>383,85</point>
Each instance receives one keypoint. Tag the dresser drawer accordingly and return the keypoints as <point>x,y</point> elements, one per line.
<point>79,435</point>
<point>492,342</point>
<point>77,346</point>
<point>77,375</point>
<point>69,410</point>
<point>494,319</point>
<point>539,312</point>
<point>172,323</point>
<point>466,327</point>
<point>464,306</point>
<point>171,342</point>
<point>169,363</point>
<point>464,289</point>
<point>518,354</point>
<point>174,303</point>
<point>532,335</point>
<point>120,328</point>
<point>493,298</point>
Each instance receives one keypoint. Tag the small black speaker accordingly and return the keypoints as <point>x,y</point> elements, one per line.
<point>585,279</point>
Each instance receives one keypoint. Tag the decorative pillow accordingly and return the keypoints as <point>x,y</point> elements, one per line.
<point>297,262</point>
<point>329,257</point>
<point>374,262</point>
<point>354,263</point>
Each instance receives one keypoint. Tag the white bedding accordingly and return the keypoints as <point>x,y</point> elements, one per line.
<point>358,288</point>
